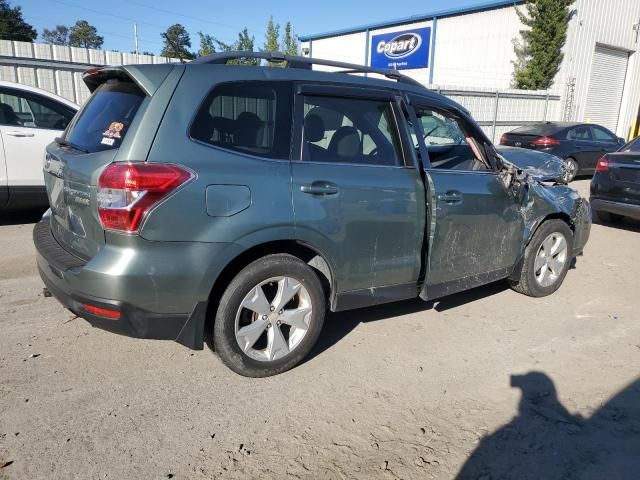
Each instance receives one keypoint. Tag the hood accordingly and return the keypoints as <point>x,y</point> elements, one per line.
<point>539,165</point>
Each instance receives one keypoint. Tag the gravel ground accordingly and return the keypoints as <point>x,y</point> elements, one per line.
<point>487,384</point>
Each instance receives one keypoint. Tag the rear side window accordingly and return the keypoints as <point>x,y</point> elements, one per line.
<point>248,117</point>
<point>348,130</point>
<point>105,120</point>
<point>579,133</point>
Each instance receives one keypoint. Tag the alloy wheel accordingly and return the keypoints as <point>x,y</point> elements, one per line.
<point>551,259</point>
<point>273,318</point>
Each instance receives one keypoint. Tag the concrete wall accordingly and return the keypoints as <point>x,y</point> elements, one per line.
<point>58,69</point>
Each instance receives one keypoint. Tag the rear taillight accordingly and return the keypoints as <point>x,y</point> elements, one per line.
<point>128,191</point>
<point>503,139</point>
<point>602,165</point>
<point>545,142</point>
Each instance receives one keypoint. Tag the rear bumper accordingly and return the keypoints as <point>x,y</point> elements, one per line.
<point>625,209</point>
<point>161,291</point>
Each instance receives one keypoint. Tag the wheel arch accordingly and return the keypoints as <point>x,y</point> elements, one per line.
<point>309,254</point>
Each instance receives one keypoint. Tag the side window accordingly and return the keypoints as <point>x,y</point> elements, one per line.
<point>601,135</point>
<point>633,146</point>
<point>24,109</point>
<point>249,117</point>
<point>448,143</point>
<point>346,130</point>
<point>579,133</point>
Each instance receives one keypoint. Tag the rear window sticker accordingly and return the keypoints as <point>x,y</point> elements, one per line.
<point>114,130</point>
<point>108,141</point>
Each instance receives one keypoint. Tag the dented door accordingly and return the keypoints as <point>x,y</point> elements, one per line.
<point>477,230</point>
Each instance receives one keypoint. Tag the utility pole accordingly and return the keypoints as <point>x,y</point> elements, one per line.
<point>135,36</point>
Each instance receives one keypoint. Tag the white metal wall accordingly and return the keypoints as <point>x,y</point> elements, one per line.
<point>66,82</point>
<point>476,49</point>
<point>608,23</point>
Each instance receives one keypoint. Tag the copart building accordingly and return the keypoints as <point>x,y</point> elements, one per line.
<point>598,81</point>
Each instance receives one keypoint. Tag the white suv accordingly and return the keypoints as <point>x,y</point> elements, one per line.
<point>30,119</point>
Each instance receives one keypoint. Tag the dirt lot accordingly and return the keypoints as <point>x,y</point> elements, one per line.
<point>409,390</point>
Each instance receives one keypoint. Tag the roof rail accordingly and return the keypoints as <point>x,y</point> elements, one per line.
<point>304,63</point>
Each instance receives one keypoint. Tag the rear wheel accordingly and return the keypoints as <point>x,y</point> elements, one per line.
<point>546,260</point>
<point>608,217</point>
<point>571,169</point>
<point>269,317</point>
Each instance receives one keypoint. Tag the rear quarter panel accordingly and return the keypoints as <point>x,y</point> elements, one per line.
<point>264,184</point>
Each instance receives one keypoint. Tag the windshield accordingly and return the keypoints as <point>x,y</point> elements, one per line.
<point>105,120</point>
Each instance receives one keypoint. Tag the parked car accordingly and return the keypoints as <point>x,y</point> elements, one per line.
<point>540,165</point>
<point>579,144</point>
<point>30,119</point>
<point>615,187</point>
<point>242,202</point>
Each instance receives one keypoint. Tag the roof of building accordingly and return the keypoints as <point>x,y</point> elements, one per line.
<point>449,12</point>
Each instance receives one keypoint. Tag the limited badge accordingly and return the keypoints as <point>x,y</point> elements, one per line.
<point>114,130</point>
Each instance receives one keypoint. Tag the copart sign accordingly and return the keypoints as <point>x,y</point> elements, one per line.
<point>401,50</point>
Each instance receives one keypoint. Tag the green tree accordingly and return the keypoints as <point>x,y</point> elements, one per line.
<point>177,43</point>
<point>272,38</point>
<point>207,45</point>
<point>539,50</point>
<point>290,40</point>
<point>58,36</point>
<point>13,26</point>
<point>84,35</point>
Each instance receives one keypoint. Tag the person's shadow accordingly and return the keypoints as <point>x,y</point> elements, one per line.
<point>545,441</point>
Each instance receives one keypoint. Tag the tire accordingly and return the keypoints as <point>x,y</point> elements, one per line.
<point>608,217</point>
<point>254,298</point>
<point>571,169</point>
<point>545,280</point>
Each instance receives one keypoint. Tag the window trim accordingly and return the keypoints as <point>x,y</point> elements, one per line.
<point>206,97</point>
<point>304,90</point>
<point>36,96</point>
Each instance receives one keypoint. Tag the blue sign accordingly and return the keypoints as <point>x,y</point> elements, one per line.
<point>401,50</point>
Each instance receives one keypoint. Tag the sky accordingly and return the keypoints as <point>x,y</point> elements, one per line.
<point>222,19</point>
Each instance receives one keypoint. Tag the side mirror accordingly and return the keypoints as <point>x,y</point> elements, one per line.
<point>622,141</point>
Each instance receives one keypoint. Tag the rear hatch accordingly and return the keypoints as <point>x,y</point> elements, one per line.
<point>102,132</point>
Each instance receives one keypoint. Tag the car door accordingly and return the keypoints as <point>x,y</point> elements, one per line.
<point>476,230</point>
<point>585,150</point>
<point>357,196</point>
<point>28,123</point>
<point>4,186</point>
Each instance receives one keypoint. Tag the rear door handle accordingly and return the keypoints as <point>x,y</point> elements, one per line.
<point>17,133</point>
<point>450,197</point>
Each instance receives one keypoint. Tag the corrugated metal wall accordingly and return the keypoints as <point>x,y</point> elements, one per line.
<point>58,69</point>
<point>611,24</point>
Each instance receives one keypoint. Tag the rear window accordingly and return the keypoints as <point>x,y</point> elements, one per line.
<point>106,118</point>
<point>249,117</point>
<point>633,146</point>
<point>542,130</point>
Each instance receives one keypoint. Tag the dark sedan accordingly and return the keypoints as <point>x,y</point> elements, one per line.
<point>615,188</point>
<point>581,145</point>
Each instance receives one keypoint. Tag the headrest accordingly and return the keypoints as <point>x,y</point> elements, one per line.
<point>313,128</point>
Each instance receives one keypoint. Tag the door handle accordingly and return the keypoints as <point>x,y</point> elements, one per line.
<point>319,188</point>
<point>450,197</point>
<point>17,133</point>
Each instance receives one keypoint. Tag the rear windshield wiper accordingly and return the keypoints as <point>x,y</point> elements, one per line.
<point>64,143</point>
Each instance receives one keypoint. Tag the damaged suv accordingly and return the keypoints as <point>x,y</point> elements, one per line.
<point>239,203</point>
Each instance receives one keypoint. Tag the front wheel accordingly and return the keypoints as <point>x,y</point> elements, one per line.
<point>269,317</point>
<point>546,260</point>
